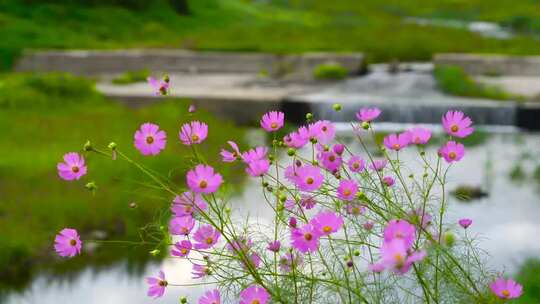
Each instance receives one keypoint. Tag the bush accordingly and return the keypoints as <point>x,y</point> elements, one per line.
<point>132,77</point>
<point>529,275</point>
<point>330,71</point>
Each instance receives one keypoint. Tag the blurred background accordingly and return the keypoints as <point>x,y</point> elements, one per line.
<point>74,70</point>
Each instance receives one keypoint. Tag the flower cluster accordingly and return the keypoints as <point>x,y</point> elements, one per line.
<point>346,227</point>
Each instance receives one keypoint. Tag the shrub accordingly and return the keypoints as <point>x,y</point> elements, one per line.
<point>132,77</point>
<point>330,71</point>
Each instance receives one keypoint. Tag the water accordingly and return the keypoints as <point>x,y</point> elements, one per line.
<point>507,220</point>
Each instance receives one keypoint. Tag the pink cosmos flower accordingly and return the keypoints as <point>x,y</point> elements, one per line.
<point>327,222</point>
<point>452,151</point>
<point>368,114</point>
<point>149,139</point>
<point>258,168</point>
<point>161,87</point>
<point>254,294</point>
<point>187,203</point>
<point>306,238</point>
<point>400,229</point>
<point>356,164</point>
<point>274,246</point>
<point>157,285</point>
<point>240,244</point>
<point>378,164</point>
<point>368,225</point>
<point>181,225</point>
<point>309,178</point>
<point>202,179</point>
<point>254,154</point>
<point>506,289</point>
<point>211,297</point>
<point>292,222</point>
<point>323,130</point>
<point>347,189</point>
<point>397,142</point>
<point>388,181</point>
<point>419,135</point>
<point>272,121</point>
<point>355,209</point>
<point>206,237</point>
<point>199,271</point>
<point>330,160</point>
<point>395,255</point>
<point>307,201</point>
<point>181,249</point>
<point>455,123</point>
<point>290,260</point>
<point>73,166</point>
<point>194,132</point>
<point>297,139</point>
<point>465,223</point>
<point>338,149</point>
<point>254,260</point>
<point>229,156</point>
<point>67,243</point>
<point>192,108</point>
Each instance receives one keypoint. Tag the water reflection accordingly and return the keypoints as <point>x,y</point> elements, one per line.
<point>506,220</point>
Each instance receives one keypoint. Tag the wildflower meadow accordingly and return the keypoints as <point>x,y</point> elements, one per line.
<point>348,226</point>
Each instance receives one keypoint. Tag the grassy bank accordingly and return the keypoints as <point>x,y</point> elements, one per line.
<point>46,116</point>
<point>374,27</point>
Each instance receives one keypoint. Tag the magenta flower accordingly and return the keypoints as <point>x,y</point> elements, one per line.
<point>292,222</point>
<point>272,121</point>
<point>323,130</point>
<point>368,225</point>
<point>327,222</point>
<point>347,189</point>
<point>330,160</point>
<point>67,243</point>
<point>378,164</point>
<point>356,164</point>
<point>254,154</point>
<point>506,289</point>
<point>455,123</point>
<point>181,225</point>
<point>395,255</point>
<point>187,203</point>
<point>297,139</point>
<point>400,229</point>
<point>419,135</point>
<point>258,168</point>
<point>206,237</point>
<point>254,294</point>
<point>229,156</point>
<point>452,151</point>
<point>254,261</point>
<point>368,114</point>
<point>192,108</point>
<point>419,218</point>
<point>355,209</point>
<point>199,271</point>
<point>308,178</point>
<point>149,139</point>
<point>181,249</point>
<point>194,132</point>
<point>307,201</point>
<point>306,238</point>
<point>274,246</point>
<point>290,260</point>
<point>157,285</point>
<point>211,297</point>
<point>240,244</point>
<point>73,166</point>
<point>397,142</point>
<point>465,223</point>
<point>388,181</point>
<point>161,87</point>
<point>203,179</point>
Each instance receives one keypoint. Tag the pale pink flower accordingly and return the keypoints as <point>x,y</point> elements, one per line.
<point>188,203</point>
<point>194,132</point>
<point>206,237</point>
<point>67,243</point>
<point>397,142</point>
<point>272,121</point>
<point>455,123</point>
<point>368,114</point>
<point>181,249</point>
<point>157,285</point>
<point>452,151</point>
<point>506,289</point>
<point>203,179</point>
<point>306,238</point>
<point>419,135</point>
<point>347,189</point>
<point>229,156</point>
<point>149,139</point>
<point>72,168</point>
<point>254,294</point>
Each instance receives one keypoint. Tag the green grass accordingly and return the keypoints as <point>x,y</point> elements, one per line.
<point>330,71</point>
<point>46,116</point>
<point>529,277</point>
<point>454,81</point>
<point>132,77</point>
<point>371,26</point>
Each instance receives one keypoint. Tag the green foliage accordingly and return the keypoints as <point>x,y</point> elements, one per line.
<point>453,80</point>
<point>330,71</point>
<point>132,77</point>
<point>35,203</point>
<point>529,277</point>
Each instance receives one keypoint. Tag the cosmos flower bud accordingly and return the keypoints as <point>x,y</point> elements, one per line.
<point>112,146</point>
<point>365,125</point>
<point>336,107</point>
<point>356,253</point>
<point>91,186</point>
<point>291,152</point>
<point>132,205</point>
<point>166,78</point>
<point>309,117</point>
<point>155,252</point>
<point>88,146</point>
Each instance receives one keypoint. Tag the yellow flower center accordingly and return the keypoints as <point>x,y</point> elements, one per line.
<point>324,128</point>
<point>194,137</point>
<point>399,260</point>
<point>203,184</point>
<point>183,250</point>
<point>308,236</point>
<point>149,139</point>
<point>75,169</point>
<point>505,293</point>
<point>452,155</point>
<point>396,146</point>
<point>255,302</point>
<point>355,210</point>
<point>273,125</point>
<point>454,128</point>
<point>347,192</point>
<point>356,165</point>
<point>72,242</point>
<point>327,229</point>
<point>331,158</point>
<point>309,180</point>
<point>162,283</point>
<point>209,241</point>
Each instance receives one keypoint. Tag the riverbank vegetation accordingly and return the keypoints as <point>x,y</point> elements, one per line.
<point>377,28</point>
<point>46,115</point>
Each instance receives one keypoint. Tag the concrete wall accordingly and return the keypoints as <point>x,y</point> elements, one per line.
<point>118,61</point>
<point>478,64</point>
